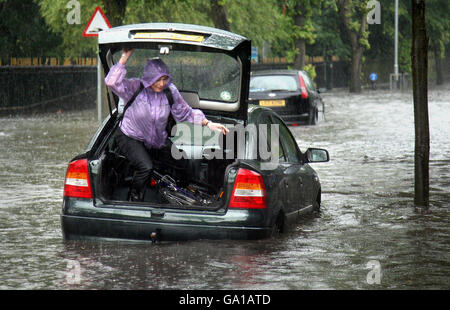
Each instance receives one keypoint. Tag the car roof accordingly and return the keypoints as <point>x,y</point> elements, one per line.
<point>276,72</point>
<point>212,37</point>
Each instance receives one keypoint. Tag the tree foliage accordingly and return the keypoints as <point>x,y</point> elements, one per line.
<point>259,20</point>
<point>302,28</point>
<point>353,14</point>
<point>73,43</point>
<point>438,29</point>
<point>285,28</point>
<point>23,30</point>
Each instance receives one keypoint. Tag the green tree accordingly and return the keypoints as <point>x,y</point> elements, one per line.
<point>218,13</point>
<point>23,32</point>
<point>381,37</point>
<point>327,25</point>
<point>419,60</point>
<point>115,10</point>
<point>252,18</point>
<point>302,26</point>
<point>438,30</point>
<point>118,12</point>
<point>261,21</point>
<point>354,22</point>
<point>73,43</point>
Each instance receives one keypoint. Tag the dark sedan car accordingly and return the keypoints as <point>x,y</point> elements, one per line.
<point>246,185</point>
<point>290,93</point>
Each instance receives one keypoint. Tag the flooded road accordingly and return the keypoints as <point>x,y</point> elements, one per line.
<point>368,235</point>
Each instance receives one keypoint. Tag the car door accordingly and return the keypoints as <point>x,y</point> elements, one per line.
<point>294,169</point>
<point>276,166</point>
<point>288,166</point>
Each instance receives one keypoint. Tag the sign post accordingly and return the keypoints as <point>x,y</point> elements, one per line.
<point>97,23</point>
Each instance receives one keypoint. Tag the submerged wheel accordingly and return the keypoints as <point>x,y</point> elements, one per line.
<point>316,203</point>
<point>316,206</point>
<point>321,112</point>
<point>278,226</point>
<point>314,116</point>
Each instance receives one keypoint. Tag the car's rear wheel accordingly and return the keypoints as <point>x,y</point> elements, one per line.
<point>316,206</point>
<point>321,112</point>
<point>278,226</point>
<point>314,116</point>
<point>316,203</point>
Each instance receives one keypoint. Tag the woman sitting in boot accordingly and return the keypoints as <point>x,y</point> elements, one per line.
<point>144,123</point>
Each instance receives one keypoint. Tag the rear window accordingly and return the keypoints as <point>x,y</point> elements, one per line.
<point>273,83</point>
<point>213,76</point>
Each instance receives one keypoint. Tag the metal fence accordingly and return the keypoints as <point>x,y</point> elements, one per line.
<point>48,61</point>
<point>33,89</point>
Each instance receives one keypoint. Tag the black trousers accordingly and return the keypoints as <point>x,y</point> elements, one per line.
<point>141,158</point>
<point>135,151</point>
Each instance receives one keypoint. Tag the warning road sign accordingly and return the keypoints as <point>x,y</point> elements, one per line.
<point>97,23</point>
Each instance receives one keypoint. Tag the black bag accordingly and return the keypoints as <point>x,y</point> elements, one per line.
<point>170,122</point>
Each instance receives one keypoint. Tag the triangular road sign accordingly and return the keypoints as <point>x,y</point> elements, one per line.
<point>97,23</point>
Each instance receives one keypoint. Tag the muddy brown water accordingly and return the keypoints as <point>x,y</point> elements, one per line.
<point>369,235</point>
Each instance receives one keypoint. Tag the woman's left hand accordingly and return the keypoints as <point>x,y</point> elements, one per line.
<point>217,127</point>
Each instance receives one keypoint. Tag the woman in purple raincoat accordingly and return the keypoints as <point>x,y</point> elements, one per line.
<point>144,124</point>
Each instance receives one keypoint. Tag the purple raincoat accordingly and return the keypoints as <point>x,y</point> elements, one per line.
<point>145,120</point>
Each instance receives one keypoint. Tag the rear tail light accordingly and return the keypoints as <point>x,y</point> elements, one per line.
<point>303,87</point>
<point>77,183</point>
<point>249,191</point>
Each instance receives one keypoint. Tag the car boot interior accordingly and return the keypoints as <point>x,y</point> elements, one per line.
<point>190,183</point>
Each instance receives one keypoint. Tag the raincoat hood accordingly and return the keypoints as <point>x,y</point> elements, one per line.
<point>153,70</point>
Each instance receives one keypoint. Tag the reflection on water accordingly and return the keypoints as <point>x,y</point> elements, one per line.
<point>367,212</point>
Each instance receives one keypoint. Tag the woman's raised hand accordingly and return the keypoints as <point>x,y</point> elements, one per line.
<point>126,53</point>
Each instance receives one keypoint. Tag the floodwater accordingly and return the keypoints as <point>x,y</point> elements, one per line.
<point>369,235</point>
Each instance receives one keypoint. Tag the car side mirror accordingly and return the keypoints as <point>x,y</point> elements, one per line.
<point>314,155</point>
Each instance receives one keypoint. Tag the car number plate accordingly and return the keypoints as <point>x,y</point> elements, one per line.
<point>272,103</point>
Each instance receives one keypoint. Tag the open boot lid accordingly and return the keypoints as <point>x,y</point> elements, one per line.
<point>210,67</point>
